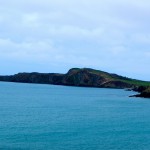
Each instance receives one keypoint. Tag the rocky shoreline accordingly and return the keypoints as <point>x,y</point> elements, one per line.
<point>144,92</point>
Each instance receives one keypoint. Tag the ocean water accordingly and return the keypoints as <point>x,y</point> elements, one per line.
<point>48,117</point>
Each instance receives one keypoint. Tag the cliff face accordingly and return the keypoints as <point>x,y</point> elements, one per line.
<point>74,77</point>
<point>83,78</point>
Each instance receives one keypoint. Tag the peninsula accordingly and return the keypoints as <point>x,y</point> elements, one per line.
<point>84,77</point>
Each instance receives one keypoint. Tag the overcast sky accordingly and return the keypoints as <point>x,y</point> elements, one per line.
<point>53,36</point>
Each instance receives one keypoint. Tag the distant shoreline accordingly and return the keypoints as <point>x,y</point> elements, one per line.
<point>84,77</point>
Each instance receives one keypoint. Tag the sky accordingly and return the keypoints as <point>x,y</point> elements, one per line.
<point>56,35</point>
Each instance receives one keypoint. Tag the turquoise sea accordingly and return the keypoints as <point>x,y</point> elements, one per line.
<point>49,117</point>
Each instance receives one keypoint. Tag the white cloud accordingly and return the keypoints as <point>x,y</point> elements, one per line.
<point>26,50</point>
<point>30,19</point>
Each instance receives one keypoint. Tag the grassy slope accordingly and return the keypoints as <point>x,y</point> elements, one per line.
<point>115,77</point>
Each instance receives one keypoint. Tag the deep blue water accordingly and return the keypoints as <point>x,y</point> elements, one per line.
<point>48,117</point>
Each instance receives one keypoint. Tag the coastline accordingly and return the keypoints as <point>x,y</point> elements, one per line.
<point>84,77</point>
